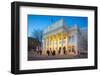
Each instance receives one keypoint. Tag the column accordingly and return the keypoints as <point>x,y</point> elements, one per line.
<point>53,42</point>
<point>66,42</point>
<point>45,46</point>
<point>61,43</point>
<point>48,43</point>
<point>56,43</point>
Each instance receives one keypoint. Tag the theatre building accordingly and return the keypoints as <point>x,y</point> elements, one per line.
<point>63,40</point>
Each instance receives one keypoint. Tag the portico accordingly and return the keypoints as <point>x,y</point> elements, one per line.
<point>55,42</point>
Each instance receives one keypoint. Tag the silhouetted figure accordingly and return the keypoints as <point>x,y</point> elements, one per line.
<point>53,53</point>
<point>64,50</point>
<point>40,52</point>
<point>48,52</point>
<point>73,49</point>
<point>69,50</point>
<point>59,50</point>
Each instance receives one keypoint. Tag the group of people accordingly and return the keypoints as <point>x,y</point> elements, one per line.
<point>58,52</point>
<point>54,52</point>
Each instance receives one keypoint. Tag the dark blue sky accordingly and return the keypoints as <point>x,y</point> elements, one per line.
<point>43,21</point>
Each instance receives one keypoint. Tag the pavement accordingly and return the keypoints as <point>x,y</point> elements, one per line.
<point>34,56</point>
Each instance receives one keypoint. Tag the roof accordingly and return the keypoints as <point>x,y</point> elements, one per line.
<point>55,25</point>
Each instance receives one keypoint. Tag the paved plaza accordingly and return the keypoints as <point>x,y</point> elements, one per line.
<point>32,56</point>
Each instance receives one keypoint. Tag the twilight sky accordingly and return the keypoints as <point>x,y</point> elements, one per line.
<point>43,21</point>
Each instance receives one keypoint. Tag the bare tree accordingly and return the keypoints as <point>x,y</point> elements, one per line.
<point>38,34</point>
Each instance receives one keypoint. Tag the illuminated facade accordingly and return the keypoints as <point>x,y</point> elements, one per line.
<point>62,39</point>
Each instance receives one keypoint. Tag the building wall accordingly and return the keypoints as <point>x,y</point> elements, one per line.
<point>58,35</point>
<point>54,40</point>
<point>82,44</point>
<point>73,41</point>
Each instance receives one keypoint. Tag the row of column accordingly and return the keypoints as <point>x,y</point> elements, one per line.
<point>53,42</point>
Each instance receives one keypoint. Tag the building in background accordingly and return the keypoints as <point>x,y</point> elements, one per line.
<point>62,39</point>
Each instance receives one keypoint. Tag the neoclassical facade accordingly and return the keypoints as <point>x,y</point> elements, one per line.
<point>62,39</point>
